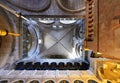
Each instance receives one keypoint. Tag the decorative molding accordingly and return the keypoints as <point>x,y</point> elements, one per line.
<point>31,5</point>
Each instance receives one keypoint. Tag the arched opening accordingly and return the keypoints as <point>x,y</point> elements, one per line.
<point>78,81</point>
<point>40,5</point>
<point>108,81</point>
<point>49,81</point>
<point>70,66</point>
<point>63,81</point>
<point>34,81</point>
<point>37,66</point>
<point>92,81</point>
<point>4,81</point>
<point>61,66</point>
<point>19,81</point>
<point>45,65</point>
<point>20,66</point>
<point>29,66</point>
<point>71,6</point>
<point>53,66</point>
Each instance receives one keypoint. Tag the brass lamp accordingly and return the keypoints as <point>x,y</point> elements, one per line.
<point>5,33</point>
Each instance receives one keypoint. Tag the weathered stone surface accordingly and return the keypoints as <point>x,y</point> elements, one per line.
<point>109,29</point>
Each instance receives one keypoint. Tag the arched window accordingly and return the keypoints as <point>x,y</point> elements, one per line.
<point>49,81</point>
<point>64,81</point>
<point>19,81</point>
<point>92,81</point>
<point>34,81</point>
<point>78,81</point>
<point>4,81</point>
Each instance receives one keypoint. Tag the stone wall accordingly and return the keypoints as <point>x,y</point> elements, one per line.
<point>45,76</point>
<point>9,49</point>
<point>109,28</point>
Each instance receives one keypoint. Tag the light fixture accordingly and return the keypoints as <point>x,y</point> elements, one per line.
<point>54,27</point>
<point>67,21</point>
<point>60,27</point>
<point>46,20</point>
<point>99,53</point>
<point>5,33</point>
<point>86,49</point>
<point>39,41</point>
<point>14,34</point>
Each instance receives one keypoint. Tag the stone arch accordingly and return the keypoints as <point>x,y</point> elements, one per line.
<point>34,81</point>
<point>37,5</point>
<point>49,81</point>
<point>78,81</point>
<point>18,81</point>
<point>92,81</point>
<point>64,81</point>
<point>4,81</point>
